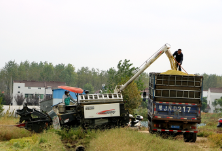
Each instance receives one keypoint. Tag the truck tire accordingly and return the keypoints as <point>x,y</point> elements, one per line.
<point>193,137</point>
<point>186,137</point>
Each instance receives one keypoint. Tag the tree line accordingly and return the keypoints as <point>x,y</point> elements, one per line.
<point>211,81</point>
<point>85,78</point>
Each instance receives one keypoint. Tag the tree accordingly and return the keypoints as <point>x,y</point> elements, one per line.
<point>217,104</point>
<point>89,87</point>
<point>1,105</point>
<point>47,73</point>
<point>7,99</point>
<point>204,104</point>
<point>19,99</point>
<point>68,75</point>
<point>33,100</point>
<point>131,96</point>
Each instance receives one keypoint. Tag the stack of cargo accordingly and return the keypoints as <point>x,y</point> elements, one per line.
<point>174,103</point>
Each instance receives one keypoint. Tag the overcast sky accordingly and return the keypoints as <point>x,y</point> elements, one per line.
<point>98,34</point>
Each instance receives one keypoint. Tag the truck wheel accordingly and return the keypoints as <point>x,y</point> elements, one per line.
<point>193,137</point>
<point>186,137</point>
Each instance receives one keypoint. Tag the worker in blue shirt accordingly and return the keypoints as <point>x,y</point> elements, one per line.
<point>179,58</point>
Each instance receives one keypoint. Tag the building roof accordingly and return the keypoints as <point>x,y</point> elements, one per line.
<point>52,84</point>
<point>216,90</point>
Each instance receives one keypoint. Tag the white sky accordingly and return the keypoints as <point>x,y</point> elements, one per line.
<point>100,33</point>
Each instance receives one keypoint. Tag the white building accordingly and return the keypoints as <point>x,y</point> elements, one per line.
<point>31,88</point>
<point>205,92</point>
<point>213,93</point>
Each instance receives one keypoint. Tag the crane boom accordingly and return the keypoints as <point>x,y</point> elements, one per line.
<point>164,49</point>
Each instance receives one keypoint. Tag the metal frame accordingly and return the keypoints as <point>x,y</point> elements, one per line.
<point>100,98</point>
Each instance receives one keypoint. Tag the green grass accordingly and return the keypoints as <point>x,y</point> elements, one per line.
<point>128,140</point>
<point>12,138</point>
<point>37,142</point>
<point>211,121</point>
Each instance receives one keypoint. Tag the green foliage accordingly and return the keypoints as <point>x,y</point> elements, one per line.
<point>77,136</point>
<point>88,86</point>
<point>1,105</point>
<point>204,104</point>
<point>124,71</point>
<point>131,96</point>
<point>217,104</point>
<point>44,71</point>
<point>211,80</point>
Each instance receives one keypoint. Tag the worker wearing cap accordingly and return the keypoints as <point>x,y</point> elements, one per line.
<point>66,98</point>
<point>179,58</point>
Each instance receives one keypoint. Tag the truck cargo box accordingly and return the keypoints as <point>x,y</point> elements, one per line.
<point>175,97</point>
<point>175,88</point>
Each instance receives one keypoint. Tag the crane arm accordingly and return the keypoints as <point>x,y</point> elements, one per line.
<point>164,49</point>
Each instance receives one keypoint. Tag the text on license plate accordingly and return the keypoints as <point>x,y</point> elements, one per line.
<point>174,126</point>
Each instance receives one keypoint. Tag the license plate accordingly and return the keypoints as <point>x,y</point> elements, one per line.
<point>174,126</point>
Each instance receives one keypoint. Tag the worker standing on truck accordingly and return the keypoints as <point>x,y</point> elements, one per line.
<point>66,98</point>
<point>179,58</point>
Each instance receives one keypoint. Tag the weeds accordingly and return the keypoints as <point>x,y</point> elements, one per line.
<point>125,139</point>
<point>217,139</point>
<point>76,137</point>
<point>42,140</point>
<point>8,131</point>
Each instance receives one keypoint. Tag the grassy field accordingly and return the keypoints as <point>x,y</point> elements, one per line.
<point>129,140</point>
<point>8,131</point>
<point>12,138</point>
<point>211,121</point>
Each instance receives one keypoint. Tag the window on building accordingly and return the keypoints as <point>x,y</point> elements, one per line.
<point>18,91</point>
<point>29,87</point>
<point>28,96</point>
<point>18,86</point>
<point>39,88</point>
